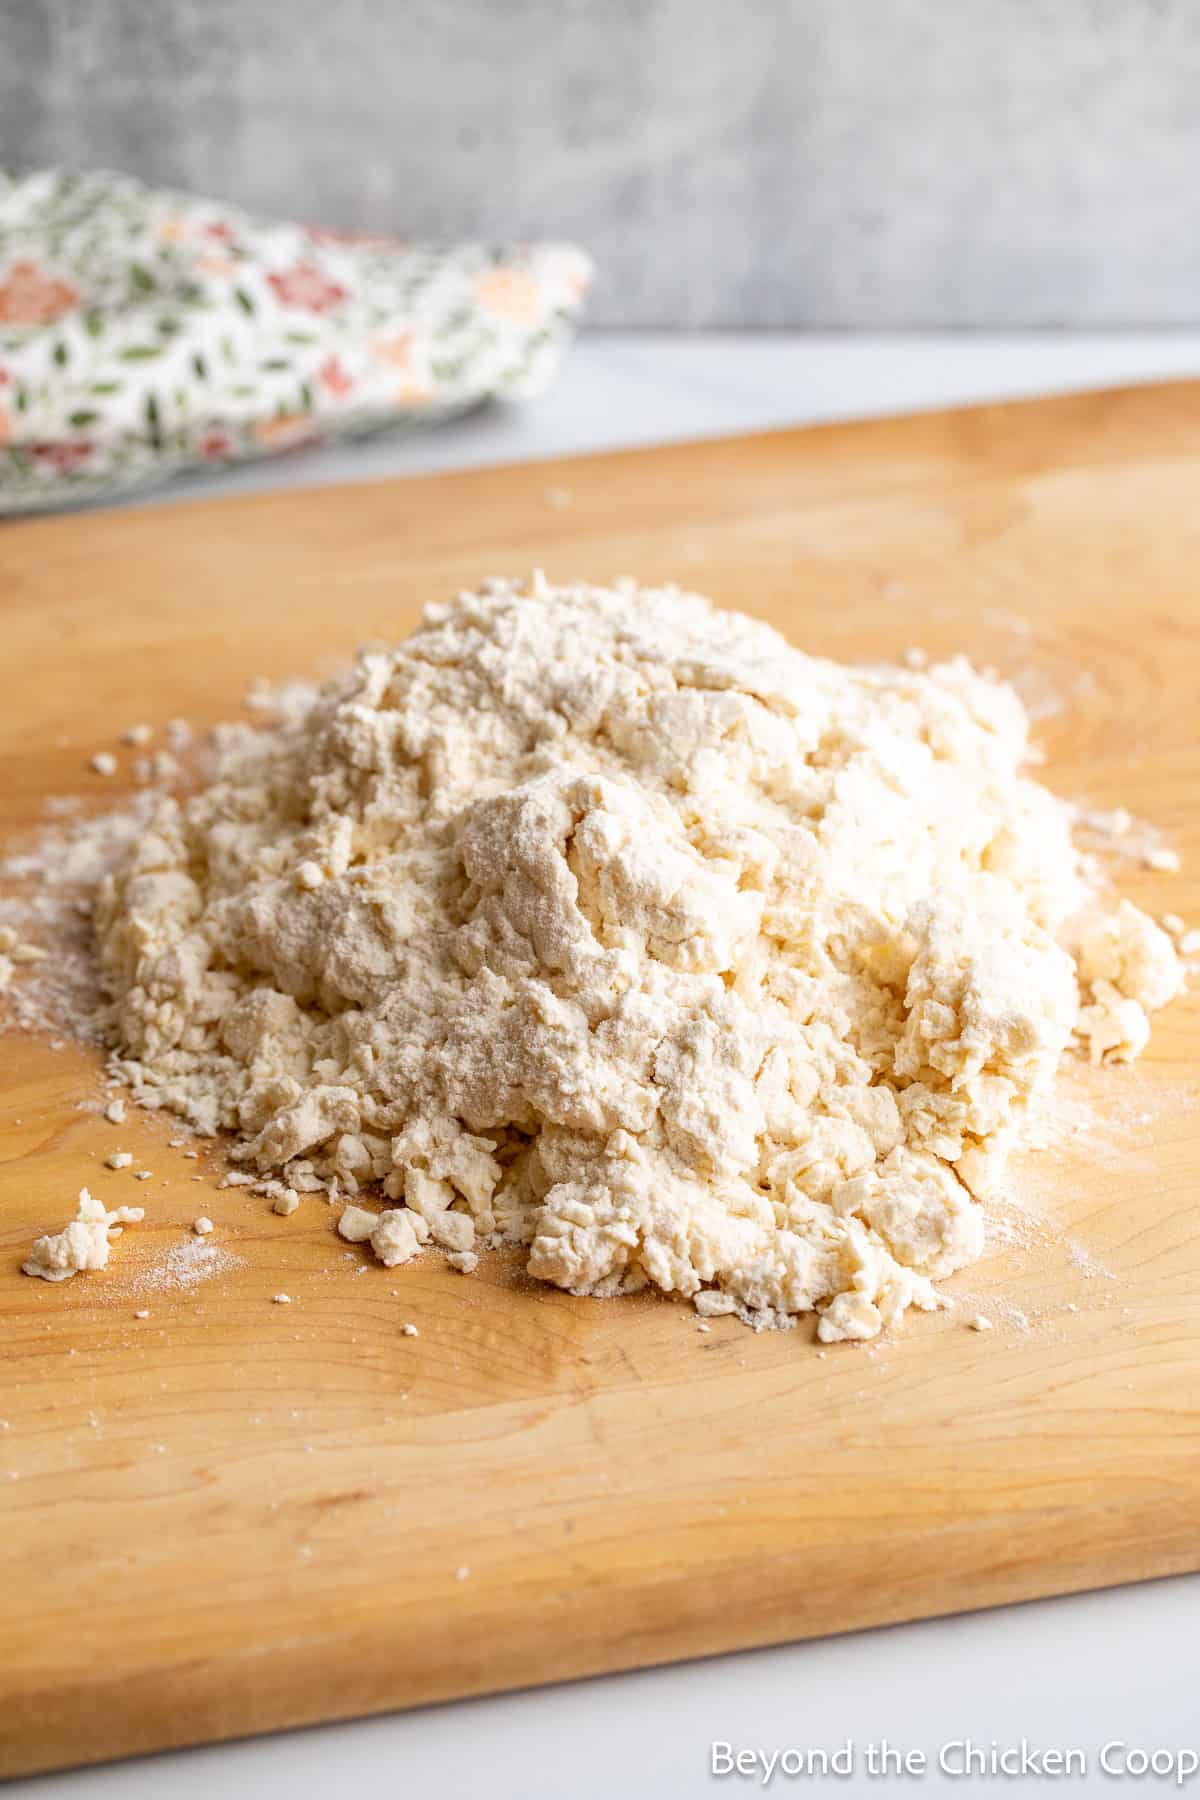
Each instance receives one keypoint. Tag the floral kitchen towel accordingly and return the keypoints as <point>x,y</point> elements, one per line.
<point>144,332</point>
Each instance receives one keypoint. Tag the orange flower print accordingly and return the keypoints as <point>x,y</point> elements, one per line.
<point>328,234</point>
<point>396,352</point>
<point>62,458</point>
<point>412,393</point>
<point>28,297</point>
<point>509,294</point>
<point>5,425</point>
<point>172,230</point>
<point>284,431</point>
<point>308,287</point>
<point>209,264</point>
<point>334,378</point>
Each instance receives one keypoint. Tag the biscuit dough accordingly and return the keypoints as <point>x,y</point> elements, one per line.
<point>606,923</point>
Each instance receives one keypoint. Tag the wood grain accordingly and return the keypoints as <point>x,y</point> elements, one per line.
<point>235,1515</point>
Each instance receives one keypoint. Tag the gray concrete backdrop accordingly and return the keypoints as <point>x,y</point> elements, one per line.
<point>752,162</point>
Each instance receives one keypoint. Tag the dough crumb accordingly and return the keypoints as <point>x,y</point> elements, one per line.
<point>103,763</point>
<point>285,1205</point>
<point>711,1303</point>
<point>980,1323</point>
<point>120,1159</point>
<point>410,1331</point>
<point>114,1112</point>
<point>282,1299</point>
<point>356,1224</point>
<point>83,1244</point>
<point>202,1226</point>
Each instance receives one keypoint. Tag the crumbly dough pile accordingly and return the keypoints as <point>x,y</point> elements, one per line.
<point>604,922</point>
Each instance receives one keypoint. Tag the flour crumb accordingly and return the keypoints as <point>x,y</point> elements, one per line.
<point>462,1572</point>
<point>103,763</point>
<point>394,1239</point>
<point>711,1303</point>
<point>1127,968</point>
<point>142,1174</point>
<point>282,1299</point>
<point>410,1331</point>
<point>356,1224</point>
<point>143,1312</point>
<point>83,1244</point>
<point>980,1323</point>
<point>137,735</point>
<point>202,1226</point>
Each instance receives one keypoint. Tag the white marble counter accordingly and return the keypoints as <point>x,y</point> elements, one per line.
<point>621,389</point>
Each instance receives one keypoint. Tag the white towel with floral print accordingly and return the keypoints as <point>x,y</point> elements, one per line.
<point>144,332</point>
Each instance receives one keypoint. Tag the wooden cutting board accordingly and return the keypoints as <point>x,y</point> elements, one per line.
<point>235,1515</point>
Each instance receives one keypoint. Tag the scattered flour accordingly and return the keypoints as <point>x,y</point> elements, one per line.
<point>184,1266</point>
